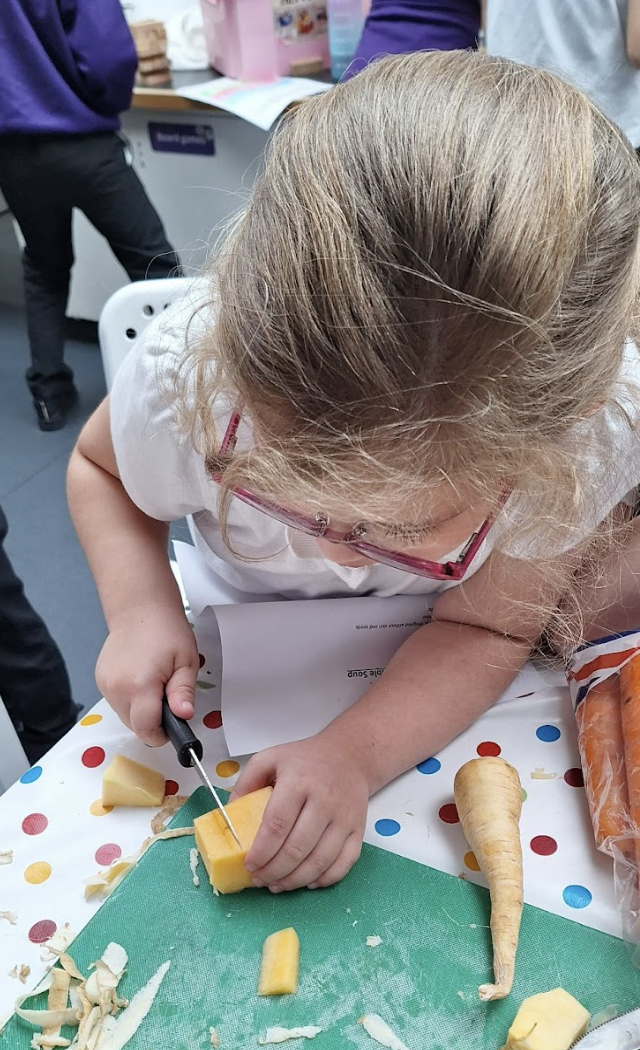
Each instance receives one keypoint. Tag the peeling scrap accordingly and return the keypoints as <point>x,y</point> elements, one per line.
<point>172,803</point>
<point>193,864</point>
<point>105,882</point>
<point>379,1031</point>
<point>281,1035</point>
<point>104,1020</point>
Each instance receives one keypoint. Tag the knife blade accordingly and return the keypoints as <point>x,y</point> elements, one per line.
<point>189,751</point>
<point>622,1033</point>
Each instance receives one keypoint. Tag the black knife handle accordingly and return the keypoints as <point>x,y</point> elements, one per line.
<point>181,735</point>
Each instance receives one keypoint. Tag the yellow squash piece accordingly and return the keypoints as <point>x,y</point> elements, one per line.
<point>222,857</point>
<point>128,783</point>
<point>280,963</point>
<point>548,1021</point>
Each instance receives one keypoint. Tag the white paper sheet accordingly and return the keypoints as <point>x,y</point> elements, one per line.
<point>290,668</point>
<point>259,104</point>
<point>287,664</point>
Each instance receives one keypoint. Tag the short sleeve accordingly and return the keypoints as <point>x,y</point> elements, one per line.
<point>159,467</point>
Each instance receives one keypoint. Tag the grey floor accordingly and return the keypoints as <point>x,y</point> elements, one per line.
<point>41,542</point>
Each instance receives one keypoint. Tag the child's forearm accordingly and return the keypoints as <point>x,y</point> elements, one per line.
<point>438,683</point>
<point>126,550</point>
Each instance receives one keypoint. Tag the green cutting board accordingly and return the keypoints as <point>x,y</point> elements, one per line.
<point>422,979</point>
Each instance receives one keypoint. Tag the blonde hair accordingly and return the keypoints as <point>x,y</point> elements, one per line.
<point>433,280</point>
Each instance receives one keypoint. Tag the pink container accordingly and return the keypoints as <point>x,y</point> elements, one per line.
<point>265,39</point>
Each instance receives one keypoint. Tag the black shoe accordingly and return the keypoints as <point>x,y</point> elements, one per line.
<point>53,397</point>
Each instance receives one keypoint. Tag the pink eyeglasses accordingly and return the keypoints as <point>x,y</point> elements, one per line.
<point>319,527</point>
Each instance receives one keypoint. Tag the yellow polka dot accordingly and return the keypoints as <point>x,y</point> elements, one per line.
<point>98,810</point>
<point>227,768</point>
<point>90,720</point>
<point>471,862</point>
<point>38,872</point>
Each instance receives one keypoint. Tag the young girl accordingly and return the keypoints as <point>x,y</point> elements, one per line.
<point>410,373</point>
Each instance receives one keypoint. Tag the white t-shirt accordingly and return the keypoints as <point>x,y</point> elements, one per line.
<point>166,478</point>
<point>583,41</point>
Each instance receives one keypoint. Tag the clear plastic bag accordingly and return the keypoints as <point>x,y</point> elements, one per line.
<point>598,674</point>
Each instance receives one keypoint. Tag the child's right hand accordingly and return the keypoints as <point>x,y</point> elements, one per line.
<point>150,648</point>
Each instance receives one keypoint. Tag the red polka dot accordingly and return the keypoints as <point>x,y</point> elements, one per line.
<point>574,778</point>
<point>35,824</point>
<point>92,757</point>
<point>449,813</point>
<point>544,845</point>
<point>487,749</point>
<point>42,931</point>
<point>105,855</point>
<point>171,787</point>
<point>213,720</point>
<point>201,660</point>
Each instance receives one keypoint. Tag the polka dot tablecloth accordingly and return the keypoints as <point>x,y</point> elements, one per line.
<point>60,832</point>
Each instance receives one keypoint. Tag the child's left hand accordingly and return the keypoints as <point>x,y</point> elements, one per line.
<point>311,833</point>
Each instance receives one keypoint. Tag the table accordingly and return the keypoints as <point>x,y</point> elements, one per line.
<point>167,97</point>
<point>60,834</point>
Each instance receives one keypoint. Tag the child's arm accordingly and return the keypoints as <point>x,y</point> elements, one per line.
<point>150,643</point>
<point>439,682</point>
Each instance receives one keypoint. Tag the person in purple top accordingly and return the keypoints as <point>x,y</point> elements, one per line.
<point>398,26</point>
<point>67,69</point>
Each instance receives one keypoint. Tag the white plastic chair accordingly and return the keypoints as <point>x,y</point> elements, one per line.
<point>13,761</point>
<point>128,312</point>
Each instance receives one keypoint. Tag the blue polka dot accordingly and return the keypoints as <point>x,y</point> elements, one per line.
<point>387,827</point>
<point>548,734</point>
<point>31,775</point>
<point>577,896</point>
<point>430,765</point>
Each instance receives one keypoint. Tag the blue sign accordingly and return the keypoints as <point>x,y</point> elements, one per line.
<point>182,138</point>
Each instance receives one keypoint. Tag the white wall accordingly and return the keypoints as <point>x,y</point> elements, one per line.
<point>135,10</point>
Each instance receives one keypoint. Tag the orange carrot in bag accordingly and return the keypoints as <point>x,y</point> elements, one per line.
<point>630,710</point>
<point>600,739</point>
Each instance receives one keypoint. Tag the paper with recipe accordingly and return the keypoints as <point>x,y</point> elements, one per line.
<point>291,667</point>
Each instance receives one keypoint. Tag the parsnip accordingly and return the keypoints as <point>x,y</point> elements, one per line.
<point>488,797</point>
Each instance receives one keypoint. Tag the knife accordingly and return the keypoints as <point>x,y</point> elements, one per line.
<point>189,751</point>
<point>623,1033</point>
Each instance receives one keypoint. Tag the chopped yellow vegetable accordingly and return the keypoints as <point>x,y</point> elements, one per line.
<point>128,783</point>
<point>548,1021</point>
<point>280,963</point>
<point>222,856</point>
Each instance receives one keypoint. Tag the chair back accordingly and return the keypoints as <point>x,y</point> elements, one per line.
<point>128,312</point>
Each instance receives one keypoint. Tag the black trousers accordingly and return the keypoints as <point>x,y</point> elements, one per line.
<point>34,684</point>
<point>43,178</point>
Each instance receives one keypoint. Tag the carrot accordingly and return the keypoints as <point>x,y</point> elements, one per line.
<point>488,797</point>
<point>630,712</point>
<point>599,721</point>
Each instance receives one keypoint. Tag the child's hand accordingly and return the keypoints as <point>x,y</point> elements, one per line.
<point>311,833</point>
<point>150,648</point>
